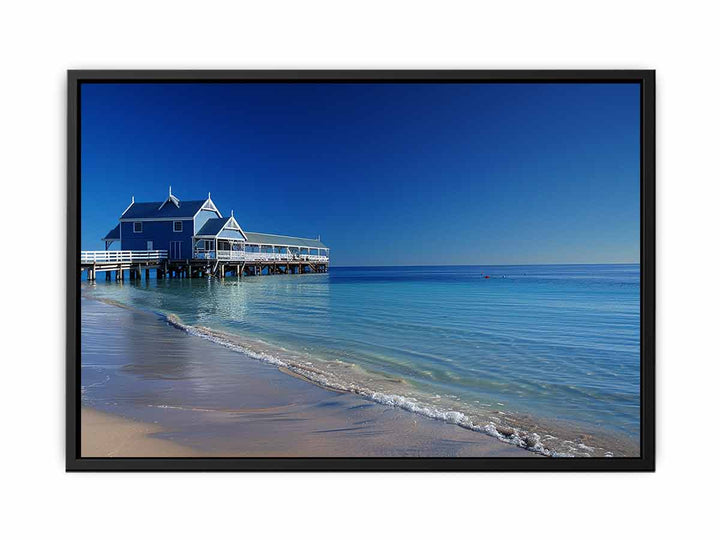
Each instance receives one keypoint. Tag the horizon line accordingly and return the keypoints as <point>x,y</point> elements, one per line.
<point>475,264</point>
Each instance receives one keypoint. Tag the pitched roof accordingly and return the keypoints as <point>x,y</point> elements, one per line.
<point>152,210</point>
<point>114,234</point>
<point>212,226</point>
<point>281,240</point>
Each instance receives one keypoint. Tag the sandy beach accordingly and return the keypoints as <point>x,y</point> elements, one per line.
<point>151,390</point>
<point>107,435</point>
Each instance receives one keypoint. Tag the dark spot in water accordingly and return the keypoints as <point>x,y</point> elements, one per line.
<point>337,429</point>
<point>361,406</point>
<point>281,419</point>
<point>329,404</point>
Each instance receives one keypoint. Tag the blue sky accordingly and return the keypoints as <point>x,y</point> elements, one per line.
<point>387,174</point>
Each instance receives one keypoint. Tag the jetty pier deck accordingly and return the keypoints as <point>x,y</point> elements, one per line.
<point>216,264</point>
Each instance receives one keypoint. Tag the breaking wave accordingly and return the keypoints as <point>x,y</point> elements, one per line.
<point>528,440</point>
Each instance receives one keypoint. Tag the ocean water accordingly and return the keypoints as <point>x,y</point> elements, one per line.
<point>546,357</point>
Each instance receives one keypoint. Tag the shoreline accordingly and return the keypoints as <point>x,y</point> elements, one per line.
<point>523,435</point>
<point>243,421</point>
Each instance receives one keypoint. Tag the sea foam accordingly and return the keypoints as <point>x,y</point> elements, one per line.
<point>527,440</point>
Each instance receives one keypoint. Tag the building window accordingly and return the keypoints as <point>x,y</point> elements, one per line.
<point>137,226</point>
<point>177,226</point>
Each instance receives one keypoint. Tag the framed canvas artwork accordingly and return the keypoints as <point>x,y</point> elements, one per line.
<point>361,270</point>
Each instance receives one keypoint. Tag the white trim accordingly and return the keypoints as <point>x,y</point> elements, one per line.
<point>211,208</point>
<point>171,198</point>
<point>225,226</point>
<point>183,218</point>
<point>132,201</point>
<point>233,226</point>
<point>121,256</point>
<point>209,205</point>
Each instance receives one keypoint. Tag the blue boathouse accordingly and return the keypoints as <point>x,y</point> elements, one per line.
<point>193,237</point>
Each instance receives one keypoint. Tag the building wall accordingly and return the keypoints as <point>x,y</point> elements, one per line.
<point>161,233</point>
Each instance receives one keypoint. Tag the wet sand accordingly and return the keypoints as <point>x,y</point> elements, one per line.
<point>151,390</point>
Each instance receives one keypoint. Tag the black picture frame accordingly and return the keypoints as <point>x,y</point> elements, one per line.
<point>646,461</point>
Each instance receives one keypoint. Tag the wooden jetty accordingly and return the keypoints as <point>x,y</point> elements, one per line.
<point>235,264</point>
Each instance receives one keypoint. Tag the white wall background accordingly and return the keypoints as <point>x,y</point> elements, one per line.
<point>40,41</point>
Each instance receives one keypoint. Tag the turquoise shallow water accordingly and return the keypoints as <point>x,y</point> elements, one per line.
<point>551,351</point>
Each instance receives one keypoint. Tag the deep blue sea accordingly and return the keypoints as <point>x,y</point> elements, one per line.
<point>545,354</point>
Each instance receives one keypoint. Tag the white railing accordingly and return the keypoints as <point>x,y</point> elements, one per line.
<point>284,257</point>
<point>317,258</point>
<point>228,255</point>
<point>249,256</point>
<point>88,257</point>
<point>202,254</point>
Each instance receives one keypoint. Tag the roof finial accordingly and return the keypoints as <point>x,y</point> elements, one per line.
<point>132,199</point>
<point>232,213</point>
<point>208,194</point>
<point>169,191</point>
